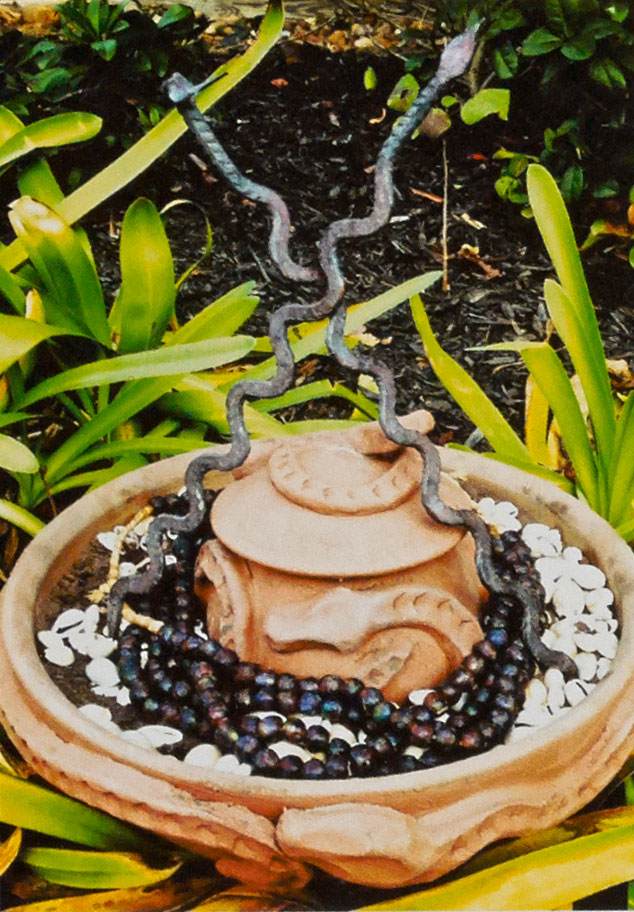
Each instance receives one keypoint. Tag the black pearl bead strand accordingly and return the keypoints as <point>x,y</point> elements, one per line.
<point>203,689</point>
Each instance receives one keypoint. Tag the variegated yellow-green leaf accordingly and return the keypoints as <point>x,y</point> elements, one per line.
<point>9,850</point>
<point>223,317</point>
<point>16,457</point>
<point>468,394</point>
<point>94,870</point>
<point>311,337</point>
<point>621,472</point>
<point>197,398</point>
<point>58,130</point>
<point>37,180</point>
<point>10,289</point>
<point>145,302</point>
<point>536,413</point>
<point>556,230</point>
<point>174,895</point>
<point>20,517</point>
<point>317,390</point>
<point>18,335</point>
<point>74,298</point>
<point>9,125</point>
<point>168,360</point>
<point>33,807</point>
<point>549,878</point>
<point>549,374</point>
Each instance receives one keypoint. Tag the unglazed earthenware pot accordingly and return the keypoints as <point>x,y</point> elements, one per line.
<point>388,831</point>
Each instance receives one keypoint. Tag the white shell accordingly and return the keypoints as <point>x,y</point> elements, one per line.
<point>413,751</point>
<point>548,638</point>
<point>534,715</point>
<point>101,646</point>
<point>536,692</point>
<point>604,667</point>
<point>59,655</point>
<point>556,698</point>
<point>96,713</point>
<point>607,644</point>
<point>589,577</point>
<point>286,749</point>
<point>586,665</point>
<point>102,672</point>
<point>49,639</point>
<point>340,731</point>
<point>160,735</point>
<point>575,691</point>
<point>598,601</point>
<point>554,679</point>
<point>587,642</point>
<point>108,540</point>
<point>417,697</point>
<point>228,763</point>
<point>568,598</point>
<point>203,755</point>
<point>69,618</point>
<point>123,696</point>
<point>136,736</point>
<point>565,644</point>
<point>542,540</point>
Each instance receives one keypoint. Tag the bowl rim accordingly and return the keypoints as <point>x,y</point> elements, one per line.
<point>37,567</point>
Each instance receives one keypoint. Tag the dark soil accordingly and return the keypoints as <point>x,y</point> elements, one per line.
<point>302,123</point>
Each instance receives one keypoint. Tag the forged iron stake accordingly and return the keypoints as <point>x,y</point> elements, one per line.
<point>453,62</point>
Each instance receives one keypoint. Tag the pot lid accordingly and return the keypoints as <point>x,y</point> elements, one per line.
<point>324,509</point>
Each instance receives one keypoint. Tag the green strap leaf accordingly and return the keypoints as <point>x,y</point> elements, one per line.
<point>313,335</point>
<point>33,807</point>
<point>74,296</point>
<point>197,398</point>
<point>145,302</point>
<point>556,230</point>
<point>621,472</point>
<point>9,125</point>
<point>588,361</point>
<point>18,335</point>
<point>16,457</point>
<point>549,374</point>
<point>59,130</point>
<point>308,392</point>
<point>467,393</point>
<point>90,870</point>
<point>166,361</point>
<point>21,519</point>
<point>223,317</point>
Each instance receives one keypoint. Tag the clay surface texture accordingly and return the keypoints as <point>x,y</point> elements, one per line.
<point>388,831</point>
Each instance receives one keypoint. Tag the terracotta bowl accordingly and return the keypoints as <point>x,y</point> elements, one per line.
<point>386,832</point>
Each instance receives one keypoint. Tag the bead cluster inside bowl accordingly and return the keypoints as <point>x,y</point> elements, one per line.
<point>198,701</point>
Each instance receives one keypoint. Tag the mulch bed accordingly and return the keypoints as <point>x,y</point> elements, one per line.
<point>303,124</point>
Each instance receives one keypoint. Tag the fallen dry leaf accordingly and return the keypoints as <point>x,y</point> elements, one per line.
<point>473,223</point>
<point>279,83</point>
<point>377,120</point>
<point>472,254</point>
